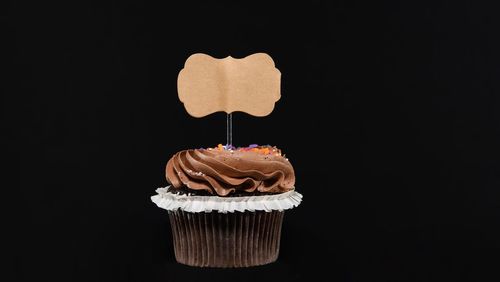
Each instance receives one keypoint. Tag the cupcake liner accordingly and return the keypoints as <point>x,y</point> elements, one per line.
<point>192,203</point>
<point>239,239</point>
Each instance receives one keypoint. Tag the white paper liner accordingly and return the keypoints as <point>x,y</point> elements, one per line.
<point>190,203</point>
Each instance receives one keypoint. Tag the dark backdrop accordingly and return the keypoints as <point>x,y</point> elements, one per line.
<point>389,114</point>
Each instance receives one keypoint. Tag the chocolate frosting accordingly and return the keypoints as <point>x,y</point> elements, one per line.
<point>223,172</point>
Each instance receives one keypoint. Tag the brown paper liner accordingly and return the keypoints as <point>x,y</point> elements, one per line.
<point>238,239</point>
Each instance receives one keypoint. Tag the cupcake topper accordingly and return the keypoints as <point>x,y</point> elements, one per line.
<point>207,85</point>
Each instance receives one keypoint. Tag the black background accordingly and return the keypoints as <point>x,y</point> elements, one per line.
<point>389,114</point>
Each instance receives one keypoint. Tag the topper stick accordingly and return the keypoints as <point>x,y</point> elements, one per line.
<point>229,130</point>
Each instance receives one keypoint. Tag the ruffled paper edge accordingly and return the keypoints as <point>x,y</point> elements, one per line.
<point>191,203</point>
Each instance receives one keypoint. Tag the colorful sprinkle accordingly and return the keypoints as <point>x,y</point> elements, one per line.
<point>229,147</point>
<point>264,150</point>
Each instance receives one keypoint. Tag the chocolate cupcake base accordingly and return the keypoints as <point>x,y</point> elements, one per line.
<point>238,239</point>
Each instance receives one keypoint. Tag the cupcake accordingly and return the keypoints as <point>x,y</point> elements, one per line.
<point>226,204</point>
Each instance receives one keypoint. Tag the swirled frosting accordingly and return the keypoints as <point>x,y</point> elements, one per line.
<point>223,172</point>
